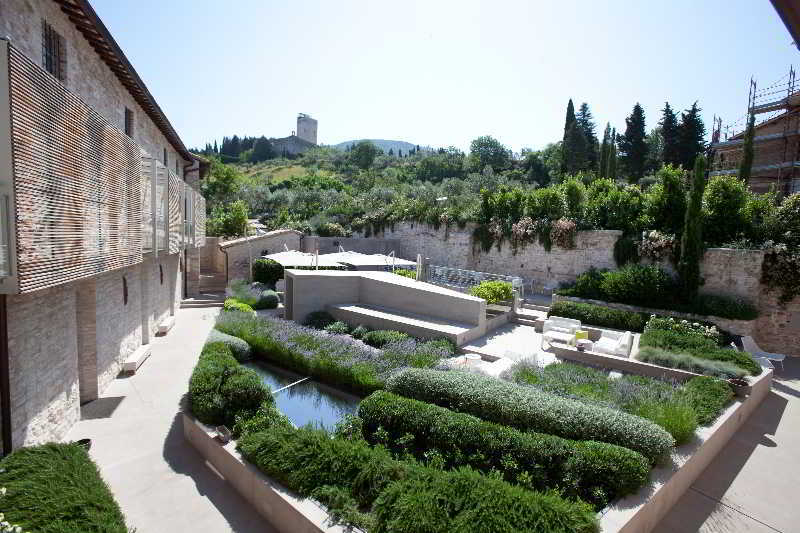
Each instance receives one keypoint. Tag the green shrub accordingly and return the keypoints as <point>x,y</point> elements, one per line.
<point>677,417</point>
<point>232,304</point>
<point>638,285</point>
<point>724,307</point>
<point>319,320</point>
<point>241,291</point>
<point>698,346</point>
<point>338,328</point>
<point>359,332</point>
<point>684,361</point>
<point>220,388</point>
<point>238,347</point>
<point>788,220</point>
<point>709,397</point>
<point>593,471</point>
<point>626,250</point>
<point>358,476</point>
<point>381,337</point>
<point>528,409</point>
<point>492,291</point>
<point>268,299</point>
<point>684,327</point>
<point>589,285</point>
<point>723,202</point>
<point>406,273</point>
<point>597,315</point>
<point>267,271</point>
<point>56,488</point>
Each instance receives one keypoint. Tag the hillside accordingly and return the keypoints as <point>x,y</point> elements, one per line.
<point>383,144</point>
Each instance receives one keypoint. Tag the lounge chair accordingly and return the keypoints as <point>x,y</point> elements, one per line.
<point>560,329</point>
<point>750,345</point>
<point>614,343</point>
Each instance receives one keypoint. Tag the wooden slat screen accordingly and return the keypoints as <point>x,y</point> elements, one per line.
<point>161,206</point>
<point>199,220</point>
<point>175,213</point>
<point>147,206</point>
<point>77,182</point>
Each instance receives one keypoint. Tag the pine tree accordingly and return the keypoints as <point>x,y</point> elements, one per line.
<point>399,152</point>
<point>566,148</point>
<point>235,146</point>
<point>604,149</point>
<point>691,135</point>
<point>612,156</point>
<point>584,119</point>
<point>692,238</point>
<point>262,150</point>
<point>746,166</point>
<point>669,131</point>
<point>391,151</point>
<point>216,150</point>
<point>633,145</point>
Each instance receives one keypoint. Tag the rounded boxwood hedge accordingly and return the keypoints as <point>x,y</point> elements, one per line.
<point>267,299</point>
<point>597,315</point>
<point>267,271</point>
<point>239,347</point>
<point>528,409</point>
<point>596,472</point>
<point>232,304</point>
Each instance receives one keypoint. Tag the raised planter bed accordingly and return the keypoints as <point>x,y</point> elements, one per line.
<point>737,327</point>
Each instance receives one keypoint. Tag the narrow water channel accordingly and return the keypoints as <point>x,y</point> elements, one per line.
<point>306,401</point>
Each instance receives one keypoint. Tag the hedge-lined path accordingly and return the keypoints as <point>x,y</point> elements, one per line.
<point>160,482</point>
<point>752,485</point>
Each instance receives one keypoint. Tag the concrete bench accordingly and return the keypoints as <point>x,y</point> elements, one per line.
<point>166,325</point>
<point>417,325</point>
<point>135,360</point>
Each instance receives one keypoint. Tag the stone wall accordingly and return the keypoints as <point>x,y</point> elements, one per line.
<point>43,359</point>
<point>329,245</point>
<point>212,260</point>
<point>454,247</point>
<point>729,272</point>
<point>88,76</point>
<point>239,250</point>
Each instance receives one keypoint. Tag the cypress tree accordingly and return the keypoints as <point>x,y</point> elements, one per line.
<point>584,119</point>
<point>691,135</point>
<point>633,145</point>
<point>669,131</point>
<point>746,166</point>
<point>692,238</point>
<point>604,149</point>
<point>566,148</point>
<point>576,158</point>
<point>611,173</point>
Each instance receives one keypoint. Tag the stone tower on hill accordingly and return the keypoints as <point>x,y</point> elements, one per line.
<point>307,128</point>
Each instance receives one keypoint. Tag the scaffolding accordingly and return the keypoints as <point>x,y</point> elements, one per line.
<point>776,111</point>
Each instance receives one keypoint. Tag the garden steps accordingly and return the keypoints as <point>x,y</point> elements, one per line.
<point>418,325</point>
<point>205,299</point>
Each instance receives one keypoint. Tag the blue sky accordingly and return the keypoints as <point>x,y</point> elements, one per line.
<point>442,73</point>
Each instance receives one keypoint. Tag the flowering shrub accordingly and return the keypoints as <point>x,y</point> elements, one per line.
<point>523,231</point>
<point>563,232</point>
<point>6,526</point>
<point>684,327</point>
<point>657,246</point>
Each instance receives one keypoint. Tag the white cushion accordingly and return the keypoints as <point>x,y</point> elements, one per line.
<point>559,329</point>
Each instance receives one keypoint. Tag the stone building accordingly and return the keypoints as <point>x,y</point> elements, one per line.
<point>299,142</point>
<point>100,218</point>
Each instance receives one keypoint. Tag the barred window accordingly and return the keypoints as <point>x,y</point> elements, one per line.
<point>128,122</point>
<point>165,157</point>
<point>54,52</point>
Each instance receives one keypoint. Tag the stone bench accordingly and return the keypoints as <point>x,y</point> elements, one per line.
<point>135,360</point>
<point>422,326</point>
<point>166,325</point>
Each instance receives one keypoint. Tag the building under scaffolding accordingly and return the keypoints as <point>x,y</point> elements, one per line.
<point>776,141</point>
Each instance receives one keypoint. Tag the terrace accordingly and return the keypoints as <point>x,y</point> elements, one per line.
<point>339,366</point>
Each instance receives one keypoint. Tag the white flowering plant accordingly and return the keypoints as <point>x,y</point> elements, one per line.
<point>684,327</point>
<point>5,525</point>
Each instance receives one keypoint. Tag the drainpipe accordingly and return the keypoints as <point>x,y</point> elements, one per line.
<point>221,249</point>
<point>5,380</point>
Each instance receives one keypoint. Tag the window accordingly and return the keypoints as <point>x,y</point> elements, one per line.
<point>128,122</point>
<point>54,52</point>
<point>176,168</point>
<point>161,273</point>
<point>124,290</point>
<point>165,157</point>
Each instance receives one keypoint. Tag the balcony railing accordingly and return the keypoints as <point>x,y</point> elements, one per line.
<point>78,197</point>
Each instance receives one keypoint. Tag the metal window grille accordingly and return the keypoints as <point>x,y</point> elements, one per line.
<point>54,52</point>
<point>462,280</point>
<point>128,122</point>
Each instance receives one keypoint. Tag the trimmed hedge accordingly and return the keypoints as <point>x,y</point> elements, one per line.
<point>319,319</point>
<point>709,397</point>
<point>381,337</point>
<point>232,304</point>
<point>684,361</point>
<point>597,315</point>
<point>56,488</point>
<point>698,346</point>
<point>365,487</point>
<point>528,409</point>
<point>239,348</point>
<point>596,472</point>
<point>268,299</point>
<point>267,271</point>
<point>493,291</point>
<point>220,388</point>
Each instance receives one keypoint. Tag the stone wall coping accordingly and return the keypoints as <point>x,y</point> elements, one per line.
<point>253,238</point>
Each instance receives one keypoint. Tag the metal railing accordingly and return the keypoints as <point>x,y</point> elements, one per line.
<point>462,280</point>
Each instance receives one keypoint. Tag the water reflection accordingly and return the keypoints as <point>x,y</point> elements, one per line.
<point>306,402</point>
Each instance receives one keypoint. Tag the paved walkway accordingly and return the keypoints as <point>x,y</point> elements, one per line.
<point>160,482</point>
<point>752,485</point>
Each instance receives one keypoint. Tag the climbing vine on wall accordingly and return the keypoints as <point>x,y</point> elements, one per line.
<point>781,272</point>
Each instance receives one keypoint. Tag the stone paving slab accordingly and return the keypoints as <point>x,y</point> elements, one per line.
<point>160,482</point>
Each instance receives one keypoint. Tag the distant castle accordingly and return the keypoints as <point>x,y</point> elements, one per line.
<point>297,143</point>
